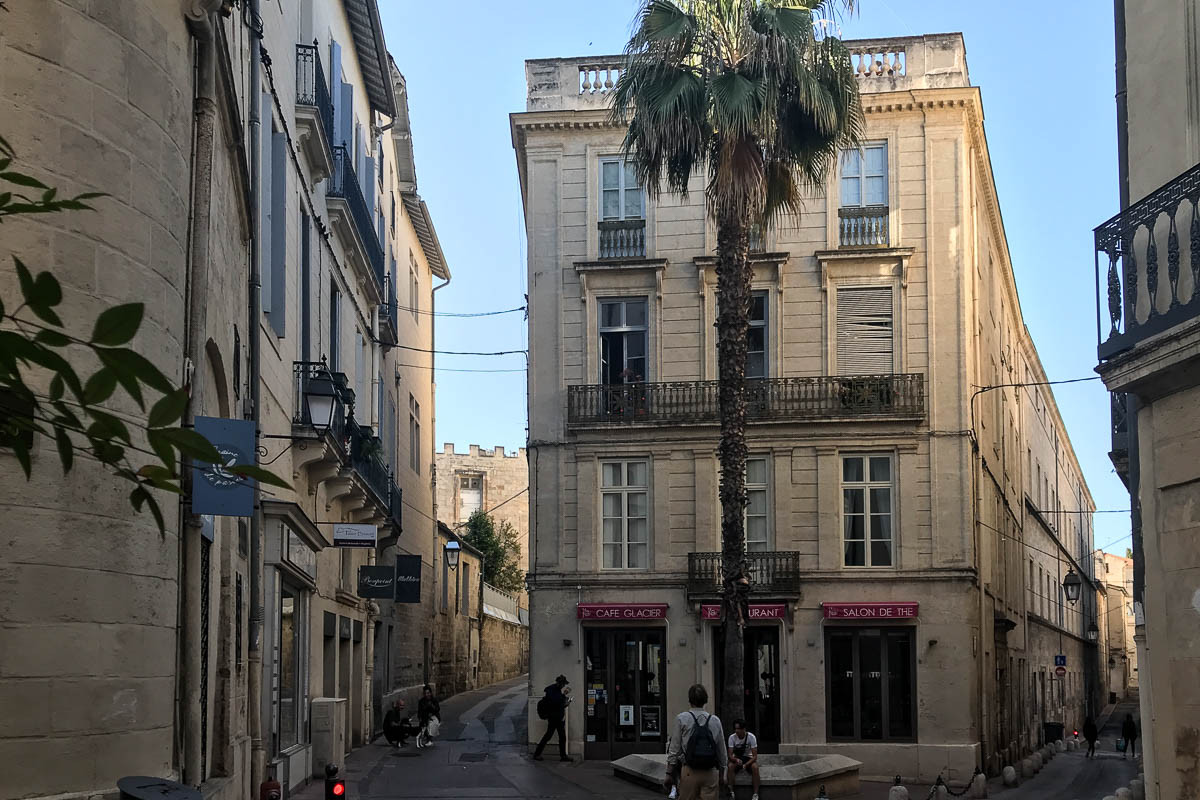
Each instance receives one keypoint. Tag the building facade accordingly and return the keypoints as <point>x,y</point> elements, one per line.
<point>1148,331</point>
<point>888,508</point>
<point>262,202</point>
<point>1118,626</point>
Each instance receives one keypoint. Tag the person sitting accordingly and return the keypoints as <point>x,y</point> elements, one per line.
<point>428,708</point>
<point>396,726</point>
<point>743,755</point>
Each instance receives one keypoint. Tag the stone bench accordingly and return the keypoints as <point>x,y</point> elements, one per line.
<point>790,777</point>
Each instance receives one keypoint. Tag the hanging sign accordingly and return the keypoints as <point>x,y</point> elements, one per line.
<point>755,611</point>
<point>408,579</point>
<point>870,610</point>
<point>216,490</point>
<point>346,534</point>
<point>375,582</point>
<point>621,611</point>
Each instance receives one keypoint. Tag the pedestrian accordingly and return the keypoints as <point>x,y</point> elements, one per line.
<point>1129,733</point>
<point>696,752</point>
<point>1090,733</point>
<point>396,727</point>
<point>553,708</point>
<point>743,755</point>
<point>428,710</point>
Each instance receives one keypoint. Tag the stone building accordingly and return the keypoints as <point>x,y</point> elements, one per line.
<point>488,480</point>
<point>1117,626</point>
<point>875,317</point>
<point>232,647</point>
<point>1148,331</point>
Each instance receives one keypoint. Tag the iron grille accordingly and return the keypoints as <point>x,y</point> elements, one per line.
<point>772,572</point>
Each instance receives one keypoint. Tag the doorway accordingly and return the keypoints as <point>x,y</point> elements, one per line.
<point>625,692</point>
<point>761,681</point>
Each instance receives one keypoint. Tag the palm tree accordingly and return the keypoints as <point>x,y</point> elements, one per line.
<point>751,89</point>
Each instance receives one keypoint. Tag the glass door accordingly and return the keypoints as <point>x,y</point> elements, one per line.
<point>761,681</point>
<point>626,693</point>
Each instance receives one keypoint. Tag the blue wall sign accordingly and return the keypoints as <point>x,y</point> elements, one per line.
<point>1060,661</point>
<point>216,490</point>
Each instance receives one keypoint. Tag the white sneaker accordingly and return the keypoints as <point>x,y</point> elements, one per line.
<point>674,793</point>
<point>754,797</point>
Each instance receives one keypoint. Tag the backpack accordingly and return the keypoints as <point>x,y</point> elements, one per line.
<point>543,708</point>
<point>701,750</point>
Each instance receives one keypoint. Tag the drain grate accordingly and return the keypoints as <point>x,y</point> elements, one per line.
<point>473,757</point>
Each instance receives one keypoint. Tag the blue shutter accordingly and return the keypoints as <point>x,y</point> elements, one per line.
<point>335,83</point>
<point>278,305</point>
<point>266,162</point>
<point>345,117</point>
<point>370,187</point>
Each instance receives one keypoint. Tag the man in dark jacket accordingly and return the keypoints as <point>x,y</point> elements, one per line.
<point>557,698</point>
<point>396,727</point>
<point>1091,734</point>
<point>1129,733</point>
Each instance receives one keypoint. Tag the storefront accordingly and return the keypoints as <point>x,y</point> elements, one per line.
<point>761,677</point>
<point>625,678</point>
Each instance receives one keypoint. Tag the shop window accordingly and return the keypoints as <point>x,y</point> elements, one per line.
<point>867,506</point>
<point>871,686</point>
<point>624,501</point>
<point>290,699</point>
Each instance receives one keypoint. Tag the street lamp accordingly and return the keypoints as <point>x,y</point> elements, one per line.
<point>1072,586</point>
<point>453,550</point>
<point>319,395</point>
<point>1093,633</point>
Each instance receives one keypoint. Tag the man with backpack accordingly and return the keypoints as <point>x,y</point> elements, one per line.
<point>553,708</point>
<point>696,752</point>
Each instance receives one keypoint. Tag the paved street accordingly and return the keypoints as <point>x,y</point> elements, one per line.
<point>481,755</point>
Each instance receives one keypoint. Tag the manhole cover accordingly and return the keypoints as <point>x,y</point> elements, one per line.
<point>473,757</point>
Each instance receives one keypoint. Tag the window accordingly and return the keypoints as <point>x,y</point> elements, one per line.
<point>470,496</point>
<point>273,210</point>
<point>757,337</point>
<point>335,303</point>
<point>414,299</point>
<point>864,176</point>
<point>393,201</point>
<point>758,528</point>
<point>466,589</point>
<point>290,641</point>
<point>623,341</point>
<point>871,684</point>
<point>625,507</point>
<point>445,586</point>
<point>864,330</point>
<point>620,192</point>
<point>414,434</point>
<point>867,506</point>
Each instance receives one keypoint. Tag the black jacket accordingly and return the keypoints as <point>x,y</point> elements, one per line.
<point>558,702</point>
<point>428,707</point>
<point>1089,731</point>
<point>1129,730</point>
<point>393,718</point>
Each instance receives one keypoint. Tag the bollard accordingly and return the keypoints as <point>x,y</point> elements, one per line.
<point>1038,761</point>
<point>1124,794</point>
<point>1137,789</point>
<point>1072,746</point>
<point>897,792</point>
<point>979,785</point>
<point>1027,769</point>
<point>1010,775</point>
<point>1060,746</point>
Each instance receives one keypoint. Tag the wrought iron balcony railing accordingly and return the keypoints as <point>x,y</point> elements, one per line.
<point>863,226</point>
<point>366,458</point>
<point>768,399</point>
<point>388,331</point>
<point>343,183</point>
<point>1130,249</point>
<point>395,503</point>
<point>772,572</point>
<point>622,238</point>
<point>306,371</point>
<point>311,88</point>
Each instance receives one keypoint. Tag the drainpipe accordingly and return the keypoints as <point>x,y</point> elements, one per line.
<point>198,14</point>
<point>254,659</point>
<point>437,554</point>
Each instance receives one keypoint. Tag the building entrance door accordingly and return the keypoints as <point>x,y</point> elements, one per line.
<point>761,681</point>
<point>625,692</point>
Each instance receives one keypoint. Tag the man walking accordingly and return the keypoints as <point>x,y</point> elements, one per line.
<point>696,751</point>
<point>553,708</point>
<point>1129,733</point>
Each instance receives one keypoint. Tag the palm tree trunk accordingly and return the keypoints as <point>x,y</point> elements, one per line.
<point>733,322</point>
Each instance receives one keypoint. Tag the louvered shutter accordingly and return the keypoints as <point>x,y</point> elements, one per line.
<point>864,330</point>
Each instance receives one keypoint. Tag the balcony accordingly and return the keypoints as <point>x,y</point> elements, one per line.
<point>314,111</point>
<point>1119,455</point>
<point>622,238</point>
<point>350,215</point>
<point>388,331</point>
<point>773,573</point>
<point>900,396</point>
<point>305,371</point>
<point>863,226</point>
<point>1131,249</point>
<point>395,502</point>
<point>366,459</point>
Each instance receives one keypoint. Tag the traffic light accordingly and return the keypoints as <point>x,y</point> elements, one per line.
<point>335,787</point>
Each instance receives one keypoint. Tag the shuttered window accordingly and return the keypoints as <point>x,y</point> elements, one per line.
<point>864,330</point>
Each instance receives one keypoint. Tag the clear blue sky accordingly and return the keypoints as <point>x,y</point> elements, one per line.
<point>1047,80</point>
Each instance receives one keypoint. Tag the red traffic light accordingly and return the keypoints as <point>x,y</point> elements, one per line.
<point>339,789</point>
<point>1076,734</point>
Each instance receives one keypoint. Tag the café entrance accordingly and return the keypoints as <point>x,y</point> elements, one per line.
<point>761,681</point>
<point>624,691</point>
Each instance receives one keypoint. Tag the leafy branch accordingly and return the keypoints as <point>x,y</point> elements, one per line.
<point>36,351</point>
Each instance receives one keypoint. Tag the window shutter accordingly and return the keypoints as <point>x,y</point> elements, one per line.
<point>278,279</point>
<point>864,331</point>
<point>345,116</point>
<point>266,165</point>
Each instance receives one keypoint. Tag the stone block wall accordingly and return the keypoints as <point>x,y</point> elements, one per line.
<point>503,650</point>
<point>504,475</point>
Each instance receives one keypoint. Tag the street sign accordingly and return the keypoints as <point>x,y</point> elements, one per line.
<point>1060,671</point>
<point>1060,661</point>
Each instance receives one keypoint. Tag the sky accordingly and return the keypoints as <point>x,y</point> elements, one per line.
<point>1047,80</point>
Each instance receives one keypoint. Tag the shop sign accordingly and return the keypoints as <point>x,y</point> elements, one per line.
<point>756,611</point>
<point>651,721</point>
<point>621,611</point>
<point>216,490</point>
<point>346,534</point>
<point>377,582</point>
<point>870,610</point>
<point>408,579</point>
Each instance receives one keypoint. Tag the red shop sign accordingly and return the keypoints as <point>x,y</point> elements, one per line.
<point>756,611</point>
<point>870,610</point>
<point>621,611</point>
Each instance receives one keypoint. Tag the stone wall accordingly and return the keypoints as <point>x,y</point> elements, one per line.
<point>503,650</point>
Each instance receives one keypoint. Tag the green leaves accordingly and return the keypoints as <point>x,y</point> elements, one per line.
<point>117,325</point>
<point>77,411</point>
